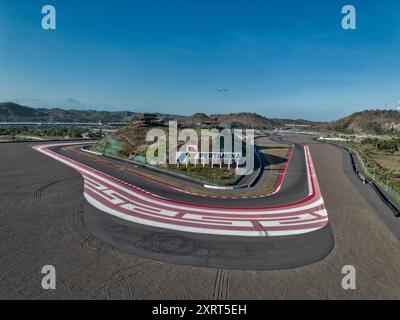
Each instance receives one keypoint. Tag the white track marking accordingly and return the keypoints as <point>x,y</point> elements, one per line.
<point>130,203</point>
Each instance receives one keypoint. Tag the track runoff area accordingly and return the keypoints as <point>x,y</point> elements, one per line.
<point>294,228</point>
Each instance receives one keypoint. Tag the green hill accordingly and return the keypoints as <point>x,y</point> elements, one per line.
<point>366,122</point>
<point>12,112</point>
<point>237,120</point>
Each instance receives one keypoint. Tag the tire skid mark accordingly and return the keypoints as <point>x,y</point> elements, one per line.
<point>119,271</point>
<point>178,284</point>
<point>221,285</point>
<point>39,192</point>
<point>122,276</point>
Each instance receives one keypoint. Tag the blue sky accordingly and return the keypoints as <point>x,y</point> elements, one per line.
<point>278,58</point>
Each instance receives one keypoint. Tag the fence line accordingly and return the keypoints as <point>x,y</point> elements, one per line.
<point>372,176</point>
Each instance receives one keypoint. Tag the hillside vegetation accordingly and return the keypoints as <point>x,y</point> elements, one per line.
<point>376,122</point>
<point>244,120</point>
<point>381,158</point>
<point>12,112</point>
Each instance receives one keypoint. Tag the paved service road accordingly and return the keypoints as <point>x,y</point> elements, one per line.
<point>41,210</point>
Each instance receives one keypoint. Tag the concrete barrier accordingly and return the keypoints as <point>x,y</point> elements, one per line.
<point>92,152</point>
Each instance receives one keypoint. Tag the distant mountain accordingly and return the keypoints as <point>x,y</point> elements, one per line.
<point>69,103</point>
<point>366,122</point>
<point>245,120</point>
<point>237,120</point>
<point>194,120</point>
<point>12,112</point>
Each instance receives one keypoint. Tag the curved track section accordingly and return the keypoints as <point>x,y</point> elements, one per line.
<point>294,185</point>
<point>285,230</point>
<point>123,200</point>
<point>205,250</point>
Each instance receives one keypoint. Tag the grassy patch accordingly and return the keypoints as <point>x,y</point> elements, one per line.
<point>6,138</point>
<point>207,174</point>
<point>381,158</point>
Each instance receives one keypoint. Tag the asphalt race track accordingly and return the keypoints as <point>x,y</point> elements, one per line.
<point>246,253</point>
<point>117,186</point>
<point>41,220</point>
<point>294,185</point>
<point>287,235</point>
